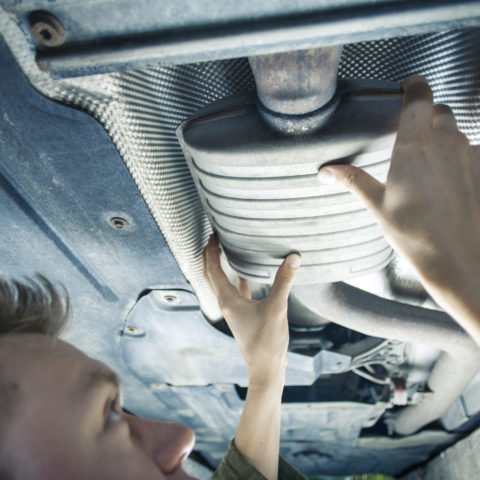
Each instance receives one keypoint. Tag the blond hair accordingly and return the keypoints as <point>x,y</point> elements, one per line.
<point>30,306</point>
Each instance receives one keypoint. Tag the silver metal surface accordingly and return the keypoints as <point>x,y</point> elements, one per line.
<point>294,83</point>
<point>320,437</point>
<point>450,376</point>
<point>458,462</point>
<point>165,342</point>
<point>141,110</point>
<point>121,35</point>
<point>387,352</point>
<point>368,454</point>
<point>465,407</point>
<point>261,191</point>
<point>360,311</point>
<point>296,90</point>
<point>46,29</point>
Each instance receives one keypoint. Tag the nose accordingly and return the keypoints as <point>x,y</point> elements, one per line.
<point>168,444</point>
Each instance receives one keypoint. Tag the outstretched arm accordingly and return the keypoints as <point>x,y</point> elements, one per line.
<point>429,208</point>
<point>261,331</point>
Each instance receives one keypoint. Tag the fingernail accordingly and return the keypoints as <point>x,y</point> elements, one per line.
<point>294,260</point>
<point>326,176</point>
<point>412,79</point>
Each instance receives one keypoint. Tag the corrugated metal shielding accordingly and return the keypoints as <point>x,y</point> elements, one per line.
<point>141,110</point>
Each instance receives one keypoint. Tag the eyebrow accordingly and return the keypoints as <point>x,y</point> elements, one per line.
<point>96,379</point>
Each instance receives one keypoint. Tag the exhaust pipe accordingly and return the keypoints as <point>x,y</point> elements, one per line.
<point>378,317</point>
<point>297,91</point>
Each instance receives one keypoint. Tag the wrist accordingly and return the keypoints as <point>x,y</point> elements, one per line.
<point>458,296</point>
<point>446,269</point>
<point>267,379</point>
<point>455,280</point>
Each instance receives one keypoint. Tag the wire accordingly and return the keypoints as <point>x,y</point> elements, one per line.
<point>367,364</point>
<point>380,381</point>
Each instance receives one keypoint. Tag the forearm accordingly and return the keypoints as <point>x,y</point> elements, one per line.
<point>261,330</point>
<point>258,434</point>
<point>461,300</point>
<point>429,207</point>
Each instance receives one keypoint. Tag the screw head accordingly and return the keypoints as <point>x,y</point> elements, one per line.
<point>132,331</point>
<point>186,412</point>
<point>46,29</point>
<point>338,366</point>
<point>159,386</point>
<point>119,223</point>
<point>169,298</point>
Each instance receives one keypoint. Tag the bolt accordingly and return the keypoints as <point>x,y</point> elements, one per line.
<point>132,331</point>
<point>46,29</point>
<point>170,298</point>
<point>338,366</point>
<point>118,223</point>
<point>159,386</point>
<point>186,412</point>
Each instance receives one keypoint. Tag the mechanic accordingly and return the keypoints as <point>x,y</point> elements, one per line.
<point>60,413</point>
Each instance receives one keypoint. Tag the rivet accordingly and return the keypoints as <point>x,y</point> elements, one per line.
<point>169,298</point>
<point>186,412</point>
<point>118,223</point>
<point>132,331</point>
<point>159,386</point>
<point>338,366</point>
<point>46,29</point>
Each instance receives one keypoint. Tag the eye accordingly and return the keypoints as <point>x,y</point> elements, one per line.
<point>113,414</point>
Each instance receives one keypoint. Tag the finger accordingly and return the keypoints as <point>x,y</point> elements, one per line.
<point>284,278</point>
<point>475,151</point>
<point>204,263</point>
<point>357,181</point>
<point>244,288</point>
<point>221,286</point>
<point>443,118</point>
<point>475,167</point>
<point>417,110</point>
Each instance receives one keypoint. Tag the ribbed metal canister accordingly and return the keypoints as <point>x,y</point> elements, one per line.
<point>261,192</point>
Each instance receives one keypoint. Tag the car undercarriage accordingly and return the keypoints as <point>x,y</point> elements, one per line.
<point>130,133</point>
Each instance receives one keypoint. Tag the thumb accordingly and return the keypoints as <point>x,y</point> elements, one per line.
<point>355,180</point>
<point>285,276</point>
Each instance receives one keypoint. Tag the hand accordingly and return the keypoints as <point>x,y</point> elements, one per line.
<point>429,209</point>
<point>259,327</point>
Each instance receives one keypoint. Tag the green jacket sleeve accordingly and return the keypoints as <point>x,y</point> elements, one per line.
<point>235,467</point>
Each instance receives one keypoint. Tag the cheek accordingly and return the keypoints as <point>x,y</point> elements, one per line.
<point>123,464</point>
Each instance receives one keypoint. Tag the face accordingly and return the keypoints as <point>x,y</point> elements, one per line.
<point>67,420</point>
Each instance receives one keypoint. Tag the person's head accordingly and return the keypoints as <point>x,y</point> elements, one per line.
<point>60,414</point>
